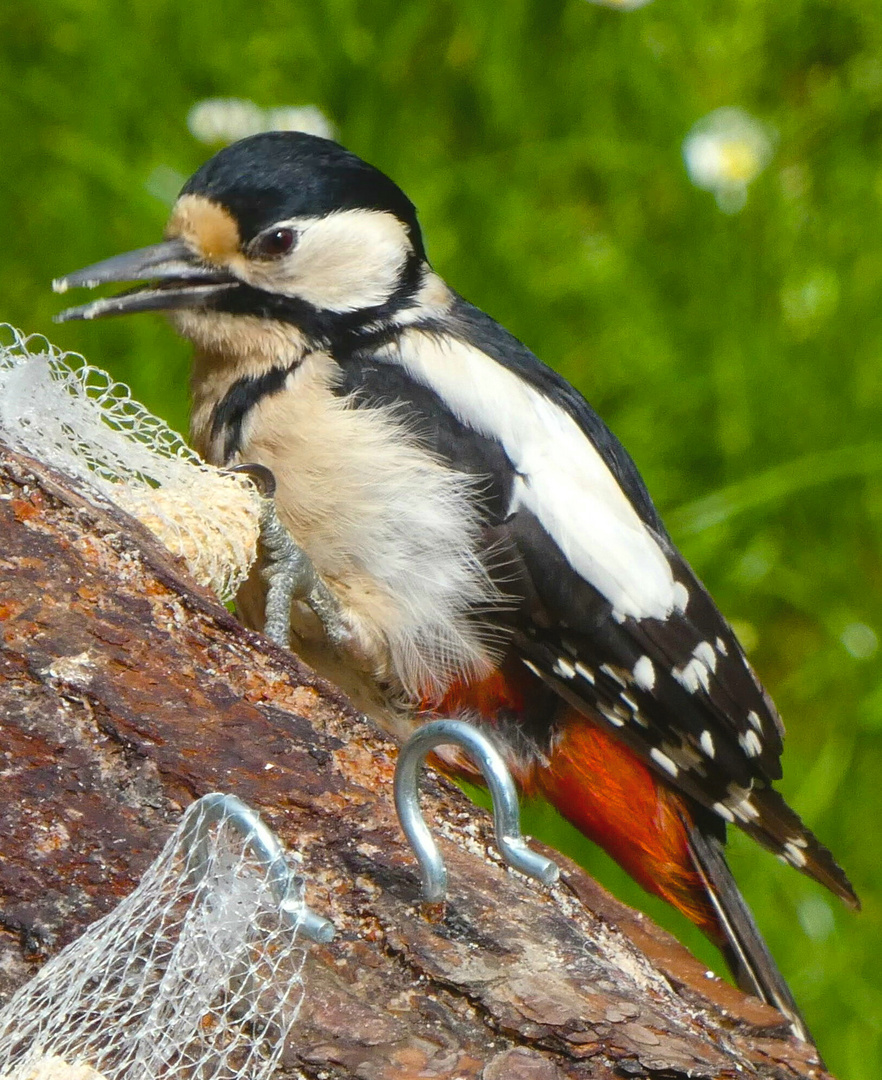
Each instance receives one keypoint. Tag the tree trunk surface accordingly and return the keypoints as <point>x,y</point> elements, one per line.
<point>127,691</point>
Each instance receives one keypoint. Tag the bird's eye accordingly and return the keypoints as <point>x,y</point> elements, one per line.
<point>274,243</point>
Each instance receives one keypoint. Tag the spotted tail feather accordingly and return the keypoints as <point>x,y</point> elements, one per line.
<point>781,831</point>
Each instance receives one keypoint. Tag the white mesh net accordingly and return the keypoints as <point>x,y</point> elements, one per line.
<point>68,414</point>
<point>196,974</point>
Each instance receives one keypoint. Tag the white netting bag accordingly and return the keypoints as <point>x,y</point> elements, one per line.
<point>68,414</point>
<point>195,975</point>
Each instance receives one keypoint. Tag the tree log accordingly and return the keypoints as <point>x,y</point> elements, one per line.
<point>127,691</point>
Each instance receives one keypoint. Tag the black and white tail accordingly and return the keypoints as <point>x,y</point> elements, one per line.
<point>746,953</point>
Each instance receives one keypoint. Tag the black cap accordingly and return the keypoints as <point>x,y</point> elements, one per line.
<point>280,174</point>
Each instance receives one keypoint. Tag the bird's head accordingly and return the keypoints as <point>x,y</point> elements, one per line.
<point>282,226</point>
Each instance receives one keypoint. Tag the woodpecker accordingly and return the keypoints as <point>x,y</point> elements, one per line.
<point>491,547</point>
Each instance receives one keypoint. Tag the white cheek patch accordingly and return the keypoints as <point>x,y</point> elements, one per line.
<point>562,479</point>
<point>342,262</point>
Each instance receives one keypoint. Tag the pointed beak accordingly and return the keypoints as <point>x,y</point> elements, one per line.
<point>178,279</point>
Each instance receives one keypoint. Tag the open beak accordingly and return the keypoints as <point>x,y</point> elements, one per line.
<point>177,280</point>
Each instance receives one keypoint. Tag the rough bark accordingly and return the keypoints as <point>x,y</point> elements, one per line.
<point>127,691</point>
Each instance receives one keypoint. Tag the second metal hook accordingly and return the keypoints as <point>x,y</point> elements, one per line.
<point>506,813</point>
<point>218,808</point>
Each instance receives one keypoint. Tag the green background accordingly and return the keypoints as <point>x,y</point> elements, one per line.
<point>739,357</point>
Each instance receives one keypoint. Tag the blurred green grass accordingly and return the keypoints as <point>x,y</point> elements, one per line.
<point>739,357</point>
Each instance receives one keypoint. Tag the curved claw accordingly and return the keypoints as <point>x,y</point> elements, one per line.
<point>506,814</point>
<point>217,807</point>
<point>259,475</point>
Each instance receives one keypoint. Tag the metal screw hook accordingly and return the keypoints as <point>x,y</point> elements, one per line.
<point>217,807</point>
<point>506,814</point>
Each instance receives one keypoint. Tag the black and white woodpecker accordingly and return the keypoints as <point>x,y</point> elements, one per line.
<point>492,550</point>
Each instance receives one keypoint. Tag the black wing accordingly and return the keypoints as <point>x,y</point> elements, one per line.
<point>678,690</point>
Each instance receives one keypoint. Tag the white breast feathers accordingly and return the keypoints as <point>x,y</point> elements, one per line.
<point>393,531</point>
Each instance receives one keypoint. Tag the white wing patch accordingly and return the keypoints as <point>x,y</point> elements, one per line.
<point>704,652</point>
<point>692,676</point>
<point>562,479</point>
<point>750,743</point>
<point>644,673</point>
<point>661,758</point>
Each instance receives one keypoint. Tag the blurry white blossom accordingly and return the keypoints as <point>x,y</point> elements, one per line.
<point>224,120</point>
<point>622,5</point>
<point>308,118</point>
<point>724,152</point>
<point>859,640</point>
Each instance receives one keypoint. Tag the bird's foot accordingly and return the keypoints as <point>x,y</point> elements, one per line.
<point>289,573</point>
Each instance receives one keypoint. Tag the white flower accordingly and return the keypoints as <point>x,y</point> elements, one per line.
<point>724,152</point>
<point>224,120</point>
<point>308,118</point>
<point>860,640</point>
